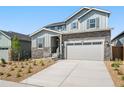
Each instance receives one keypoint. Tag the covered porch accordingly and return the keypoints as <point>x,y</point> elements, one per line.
<point>56,46</point>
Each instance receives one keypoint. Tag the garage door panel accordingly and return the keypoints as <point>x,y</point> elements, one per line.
<point>85,52</point>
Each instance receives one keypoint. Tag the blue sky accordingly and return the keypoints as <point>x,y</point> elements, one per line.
<point>28,19</point>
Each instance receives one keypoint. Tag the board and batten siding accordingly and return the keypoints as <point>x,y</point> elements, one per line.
<point>82,22</point>
<point>74,19</point>
<point>43,34</point>
<point>5,42</point>
<point>103,20</point>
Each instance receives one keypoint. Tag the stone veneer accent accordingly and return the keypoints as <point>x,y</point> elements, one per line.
<point>40,53</point>
<point>106,34</point>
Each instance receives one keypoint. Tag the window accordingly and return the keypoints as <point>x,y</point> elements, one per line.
<point>74,25</point>
<point>70,44</point>
<point>87,43</point>
<point>78,43</point>
<point>63,28</point>
<point>93,23</point>
<point>56,28</point>
<point>97,43</point>
<point>60,28</point>
<point>40,42</point>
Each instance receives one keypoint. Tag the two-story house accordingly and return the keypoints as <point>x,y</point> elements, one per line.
<point>85,36</point>
<point>6,45</point>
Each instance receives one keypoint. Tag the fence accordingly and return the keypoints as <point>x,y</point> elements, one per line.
<point>117,52</point>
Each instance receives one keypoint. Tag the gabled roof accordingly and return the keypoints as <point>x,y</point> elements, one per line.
<point>11,34</point>
<point>122,33</point>
<point>89,10</point>
<point>42,29</point>
<point>64,22</point>
<point>55,24</point>
<point>77,12</point>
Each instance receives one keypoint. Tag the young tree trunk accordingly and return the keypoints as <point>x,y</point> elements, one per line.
<point>18,57</point>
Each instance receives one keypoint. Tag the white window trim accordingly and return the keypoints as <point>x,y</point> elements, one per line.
<point>88,23</point>
<point>76,25</point>
<point>42,42</point>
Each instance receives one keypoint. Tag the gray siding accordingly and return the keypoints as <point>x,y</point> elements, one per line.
<point>25,49</point>
<point>74,19</point>
<point>103,21</point>
<point>5,42</point>
<point>46,34</point>
<point>46,50</point>
<point>82,22</point>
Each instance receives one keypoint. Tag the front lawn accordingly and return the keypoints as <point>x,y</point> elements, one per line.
<point>116,70</point>
<point>18,71</point>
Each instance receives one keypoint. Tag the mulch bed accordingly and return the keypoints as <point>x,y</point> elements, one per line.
<point>114,74</point>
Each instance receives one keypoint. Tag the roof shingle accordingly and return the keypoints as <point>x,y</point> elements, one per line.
<point>19,35</point>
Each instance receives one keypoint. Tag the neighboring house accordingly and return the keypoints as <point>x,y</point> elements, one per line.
<point>118,40</point>
<point>6,41</point>
<point>85,35</point>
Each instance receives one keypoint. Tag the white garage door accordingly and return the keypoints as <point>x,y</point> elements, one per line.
<point>4,54</point>
<point>91,50</point>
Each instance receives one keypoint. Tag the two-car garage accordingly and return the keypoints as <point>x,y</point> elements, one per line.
<point>85,50</point>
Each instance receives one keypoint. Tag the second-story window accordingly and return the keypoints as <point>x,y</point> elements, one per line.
<point>74,25</point>
<point>93,23</point>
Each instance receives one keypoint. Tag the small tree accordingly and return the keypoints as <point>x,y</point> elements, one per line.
<point>16,47</point>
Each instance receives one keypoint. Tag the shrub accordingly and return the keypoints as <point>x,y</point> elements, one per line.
<point>18,75</point>
<point>43,64</point>
<point>8,75</point>
<point>30,67</point>
<point>1,73</point>
<point>35,63</point>
<point>16,66</point>
<point>122,78</point>
<point>12,69</point>
<point>119,72</point>
<point>21,63</point>
<point>20,70</point>
<point>3,65</point>
<point>29,70</point>
<point>26,63</point>
<point>3,61</point>
<point>22,66</point>
<point>115,65</point>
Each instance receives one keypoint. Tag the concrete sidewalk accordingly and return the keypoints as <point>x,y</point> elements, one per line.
<point>75,73</point>
<point>4,83</point>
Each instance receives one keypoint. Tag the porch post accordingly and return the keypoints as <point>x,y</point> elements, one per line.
<point>60,37</point>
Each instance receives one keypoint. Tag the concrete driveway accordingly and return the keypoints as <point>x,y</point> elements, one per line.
<point>73,73</point>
